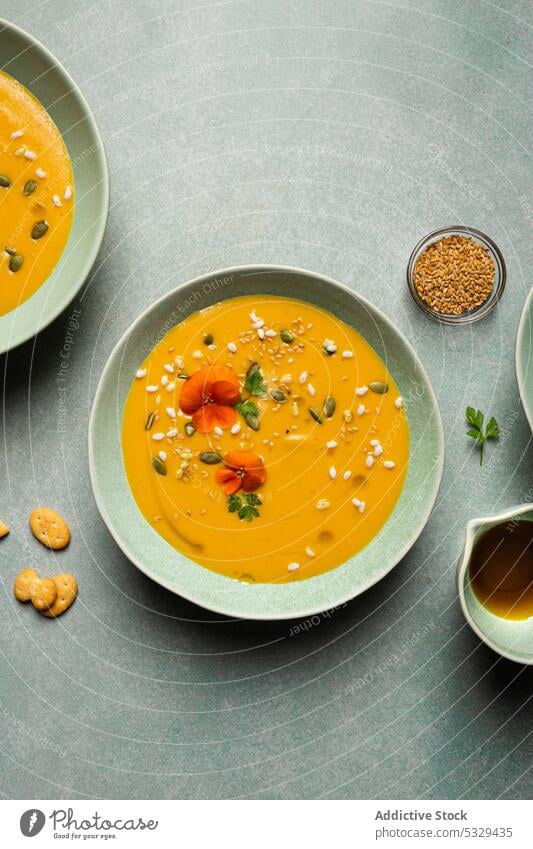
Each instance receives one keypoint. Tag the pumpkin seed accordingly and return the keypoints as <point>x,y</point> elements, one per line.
<point>183,376</point>
<point>159,466</point>
<point>29,187</point>
<point>252,421</point>
<point>329,406</point>
<point>189,429</point>
<point>15,263</point>
<point>378,387</point>
<point>149,421</point>
<point>246,578</point>
<point>286,336</point>
<point>10,251</point>
<point>208,339</point>
<point>278,395</point>
<point>210,457</point>
<point>253,369</point>
<point>315,415</point>
<point>5,182</point>
<point>39,229</point>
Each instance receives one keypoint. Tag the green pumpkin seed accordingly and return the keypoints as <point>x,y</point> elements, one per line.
<point>278,395</point>
<point>189,429</point>
<point>10,251</point>
<point>286,336</point>
<point>210,457</point>
<point>378,387</point>
<point>183,376</point>
<point>149,421</point>
<point>159,466</point>
<point>39,229</point>
<point>15,263</point>
<point>315,415</point>
<point>5,182</point>
<point>29,187</point>
<point>252,421</point>
<point>253,369</point>
<point>246,578</point>
<point>208,339</point>
<point>329,406</point>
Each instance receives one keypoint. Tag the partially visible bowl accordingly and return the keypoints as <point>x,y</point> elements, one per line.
<point>524,357</point>
<point>33,65</point>
<point>500,273</point>
<point>157,558</point>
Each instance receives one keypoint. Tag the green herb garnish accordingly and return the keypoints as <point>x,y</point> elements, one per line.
<point>255,383</point>
<point>476,419</point>
<point>247,408</point>
<point>246,506</point>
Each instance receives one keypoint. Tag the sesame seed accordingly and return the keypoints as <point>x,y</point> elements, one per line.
<point>309,551</point>
<point>261,333</point>
<point>311,389</point>
<point>286,378</point>
<point>292,567</point>
<point>359,504</point>
<point>172,432</point>
<point>361,410</point>
<point>218,431</point>
<point>369,462</point>
<point>331,444</point>
<point>374,442</point>
<point>332,472</point>
<point>180,362</point>
<point>378,451</point>
<point>331,348</point>
<point>67,193</point>
<point>232,347</point>
<point>347,355</point>
<point>141,372</point>
<point>303,377</point>
<point>323,504</point>
<point>152,388</point>
<point>253,316</point>
<point>347,416</point>
<point>163,455</point>
<point>19,151</point>
<point>347,475</point>
<point>56,201</point>
<point>171,412</point>
<point>236,428</point>
<point>17,134</point>
<point>399,402</point>
<point>157,437</point>
<point>258,323</point>
<point>361,390</point>
<point>164,380</point>
<point>169,368</point>
<point>40,173</point>
<point>170,387</point>
<point>30,154</point>
<point>270,333</point>
<point>389,464</point>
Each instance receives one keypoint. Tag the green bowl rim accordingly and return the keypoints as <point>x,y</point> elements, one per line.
<point>423,517</point>
<point>526,316</point>
<point>47,317</point>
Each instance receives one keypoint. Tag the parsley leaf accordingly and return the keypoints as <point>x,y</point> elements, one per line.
<point>247,510</point>
<point>234,503</point>
<point>255,383</point>
<point>247,408</point>
<point>476,419</point>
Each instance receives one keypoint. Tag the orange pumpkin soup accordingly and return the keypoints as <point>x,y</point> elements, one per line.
<point>265,439</point>
<point>36,194</point>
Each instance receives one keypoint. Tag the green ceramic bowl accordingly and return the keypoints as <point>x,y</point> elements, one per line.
<point>524,358</point>
<point>32,65</point>
<point>156,558</point>
<point>511,639</point>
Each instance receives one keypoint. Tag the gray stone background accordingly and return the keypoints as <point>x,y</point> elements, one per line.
<point>328,135</point>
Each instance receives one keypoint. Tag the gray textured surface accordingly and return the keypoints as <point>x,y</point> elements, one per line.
<point>329,136</point>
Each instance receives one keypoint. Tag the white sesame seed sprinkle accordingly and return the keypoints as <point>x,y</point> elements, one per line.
<point>378,451</point>
<point>170,387</point>
<point>172,432</point>
<point>19,151</point>
<point>347,355</point>
<point>331,348</point>
<point>171,412</point>
<point>197,355</point>
<point>218,431</point>
<point>303,377</point>
<point>56,200</point>
<point>374,442</point>
<point>270,333</point>
<point>361,410</point>
<point>30,154</point>
<point>163,455</point>
<point>361,390</point>
<point>17,134</point>
<point>399,403</point>
<point>164,380</point>
<point>311,389</point>
<point>261,333</point>
<point>67,193</point>
<point>332,472</point>
<point>152,388</point>
<point>323,504</point>
<point>40,173</point>
<point>331,444</point>
<point>258,323</point>
<point>292,567</point>
<point>347,475</point>
<point>236,428</point>
<point>309,551</point>
<point>232,347</point>
<point>369,462</point>
<point>169,368</point>
<point>157,437</point>
<point>141,372</point>
<point>359,504</point>
<point>389,464</point>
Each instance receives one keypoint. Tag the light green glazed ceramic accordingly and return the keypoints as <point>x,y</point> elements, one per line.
<point>524,358</point>
<point>156,558</point>
<point>513,640</point>
<point>32,65</point>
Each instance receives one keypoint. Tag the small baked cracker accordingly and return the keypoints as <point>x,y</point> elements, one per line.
<point>4,529</point>
<point>24,584</point>
<point>67,590</point>
<point>44,593</point>
<point>49,528</point>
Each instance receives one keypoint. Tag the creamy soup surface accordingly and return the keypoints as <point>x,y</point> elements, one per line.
<point>265,439</point>
<point>36,194</point>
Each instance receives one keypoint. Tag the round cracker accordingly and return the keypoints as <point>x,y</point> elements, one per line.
<point>67,590</point>
<point>24,583</point>
<point>49,528</point>
<point>44,593</point>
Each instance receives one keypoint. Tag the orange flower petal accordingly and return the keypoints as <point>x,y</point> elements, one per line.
<point>230,481</point>
<point>217,383</point>
<point>193,391</point>
<point>225,392</point>
<point>252,481</point>
<point>210,416</point>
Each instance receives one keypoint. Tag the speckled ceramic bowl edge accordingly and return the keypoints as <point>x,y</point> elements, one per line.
<point>523,361</point>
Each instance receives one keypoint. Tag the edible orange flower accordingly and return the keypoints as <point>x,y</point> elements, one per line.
<point>243,470</point>
<point>209,396</point>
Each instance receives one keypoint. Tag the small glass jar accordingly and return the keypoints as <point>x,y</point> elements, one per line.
<point>498,285</point>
